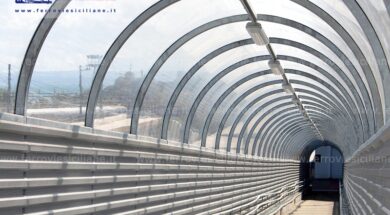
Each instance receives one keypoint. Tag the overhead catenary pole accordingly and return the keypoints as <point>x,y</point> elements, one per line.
<point>9,108</point>
<point>81,89</point>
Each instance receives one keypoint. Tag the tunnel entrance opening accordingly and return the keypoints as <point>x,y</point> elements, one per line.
<point>322,171</point>
<point>325,169</point>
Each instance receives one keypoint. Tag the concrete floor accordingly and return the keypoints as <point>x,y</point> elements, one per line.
<point>320,203</point>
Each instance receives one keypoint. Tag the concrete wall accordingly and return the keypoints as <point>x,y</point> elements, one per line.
<point>367,176</point>
<point>52,168</point>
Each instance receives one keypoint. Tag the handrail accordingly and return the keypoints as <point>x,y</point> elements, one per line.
<point>341,198</point>
<point>343,202</point>
<point>254,202</point>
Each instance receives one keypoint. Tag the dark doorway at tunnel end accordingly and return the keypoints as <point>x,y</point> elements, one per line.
<point>321,169</point>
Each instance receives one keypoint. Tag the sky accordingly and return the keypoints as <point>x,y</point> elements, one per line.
<point>76,35</point>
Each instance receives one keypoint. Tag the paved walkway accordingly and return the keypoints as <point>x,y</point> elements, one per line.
<point>318,204</point>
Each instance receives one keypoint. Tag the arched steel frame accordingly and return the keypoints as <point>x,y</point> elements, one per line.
<point>370,117</point>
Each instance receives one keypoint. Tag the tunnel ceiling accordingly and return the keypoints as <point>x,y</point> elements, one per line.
<point>188,71</point>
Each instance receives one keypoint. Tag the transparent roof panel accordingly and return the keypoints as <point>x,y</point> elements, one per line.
<point>379,17</point>
<point>226,105</point>
<point>209,70</point>
<point>276,126</point>
<point>248,112</point>
<point>341,87</point>
<point>76,44</point>
<point>217,90</point>
<point>280,31</point>
<point>258,114</point>
<point>181,62</point>
<point>293,11</point>
<point>149,42</point>
<point>324,93</point>
<point>18,24</point>
<point>244,104</point>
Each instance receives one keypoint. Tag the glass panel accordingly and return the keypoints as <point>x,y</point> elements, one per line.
<point>238,109</point>
<point>293,11</point>
<point>379,17</point>
<point>311,81</point>
<point>339,11</point>
<point>178,65</point>
<point>18,24</point>
<point>71,54</point>
<point>254,119</point>
<point>329,106</point>
<point>204,75</point>
<point>309,70</point>
<point>226,105</point>
<point>217,90</point>
<point>274,30</point>
<point>142,50</point>
<point>299,86</point>
<point>272,138</point>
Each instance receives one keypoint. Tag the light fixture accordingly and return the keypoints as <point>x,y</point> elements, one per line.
<point>296,101</point>
<point>275,67</point>
<point>306,116</point>
<point>257,33</point>
<point>301,109</point>
<point>287,87</point>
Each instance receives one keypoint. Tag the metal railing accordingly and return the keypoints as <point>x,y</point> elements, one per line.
<point>266,200</point>
<point>343,201</point>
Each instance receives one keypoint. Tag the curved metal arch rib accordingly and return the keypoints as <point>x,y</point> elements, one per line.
<point>302,142</point>
<point>377,47</point>
<point>215,53</point>
<point>31,56</point>
<point>364,101</point>
<point>189,74</point>
<point>137,103</point>
<point>305,136</point>
<point>267,18</point>
<point>278,121</point>
<point>373,39</point>
<point>335,111</point>
<point>165,56</point>
<point>287,129</point>
<point>215,79</point>
<point>270,139</point>
<point>300,73</point>
<point>252,115</point>
<point>299,90</point>
<point>113,51</point>
<point>278,149</point>
<point>247,108</point>
<point>327,100</point>
<point>210,84</point>
<point>328,95</point>
<point>235,104</point>
<point>368,123</point>
<point>255,125</point>
<point>257,141</point>
<point>260,132</point>
<point>305,133</point>
<point>293,130</point>
<point>281,21</point>
<point>227,93</point>
<point>282,57</point>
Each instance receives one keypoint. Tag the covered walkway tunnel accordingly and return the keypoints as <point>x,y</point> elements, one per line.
<point>193,106</point>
